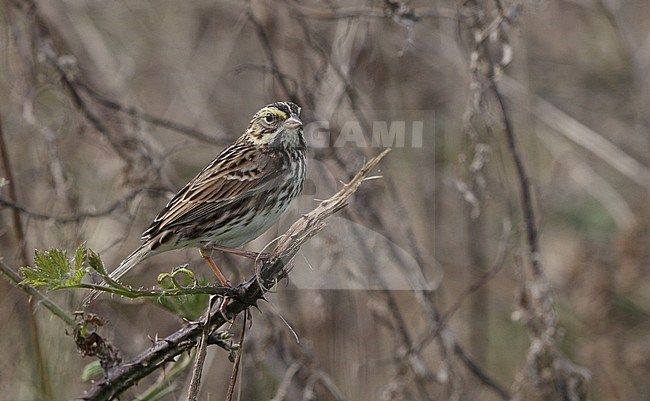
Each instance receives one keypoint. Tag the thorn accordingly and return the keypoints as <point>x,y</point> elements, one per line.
<point>256,306</point>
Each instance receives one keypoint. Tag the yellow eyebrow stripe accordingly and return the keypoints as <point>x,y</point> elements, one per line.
<point>276,112</point>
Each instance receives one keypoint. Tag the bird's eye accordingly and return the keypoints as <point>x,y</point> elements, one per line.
<point>268,118</point>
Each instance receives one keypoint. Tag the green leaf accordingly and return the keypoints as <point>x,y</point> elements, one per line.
<point>53,269</point>
<point>95,262</point>
<point>180,277</point>
<point>50,268</point>
<point>43,263</point>
<point>58,262</point>
<point>92,370</point>
<point>75,277</point>
<point>80,256</point>
<point>33,277</point>
<point>78,270</point>
<point>190,307</point>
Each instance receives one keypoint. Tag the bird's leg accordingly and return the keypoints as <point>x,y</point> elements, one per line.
<point>213,266</point>
<point>239,252</point>
<point>221,278</point>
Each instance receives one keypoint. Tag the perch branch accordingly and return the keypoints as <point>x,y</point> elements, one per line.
<point>271,269</point>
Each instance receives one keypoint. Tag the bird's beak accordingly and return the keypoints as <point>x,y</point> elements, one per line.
<point>292,122</point>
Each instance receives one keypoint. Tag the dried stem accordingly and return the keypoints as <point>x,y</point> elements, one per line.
<point>197,370</point>
<point>44,384</point>
<point>11,189</point>
<point>552,375</point>
<point>235,367</point>
<point>524,188</point>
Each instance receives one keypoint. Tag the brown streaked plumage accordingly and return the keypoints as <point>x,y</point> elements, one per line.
<point>238,196</point>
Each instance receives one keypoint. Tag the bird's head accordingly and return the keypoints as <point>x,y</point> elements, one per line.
<point>276,125</point>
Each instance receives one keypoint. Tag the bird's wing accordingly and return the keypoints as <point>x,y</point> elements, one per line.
<point>239,172</point>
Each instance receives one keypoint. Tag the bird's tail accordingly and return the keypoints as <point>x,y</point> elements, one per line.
<point>127,264</point>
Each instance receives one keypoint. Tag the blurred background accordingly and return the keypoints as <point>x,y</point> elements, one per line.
<point>418,289</point>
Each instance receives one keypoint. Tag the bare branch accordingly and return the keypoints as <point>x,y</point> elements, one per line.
<point>202,351</point>
<point>43,382</point>
<point>371,12</point>
<point>270,55</point>
<point>77,217</point>
<point>15,216</point>
<point>550,372</point>
<point>150,118</point>
<point>578,133</point>
<point>480,373</point>
<point>235,366</point>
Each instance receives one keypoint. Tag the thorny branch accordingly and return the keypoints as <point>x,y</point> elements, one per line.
<point>271,269</point>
